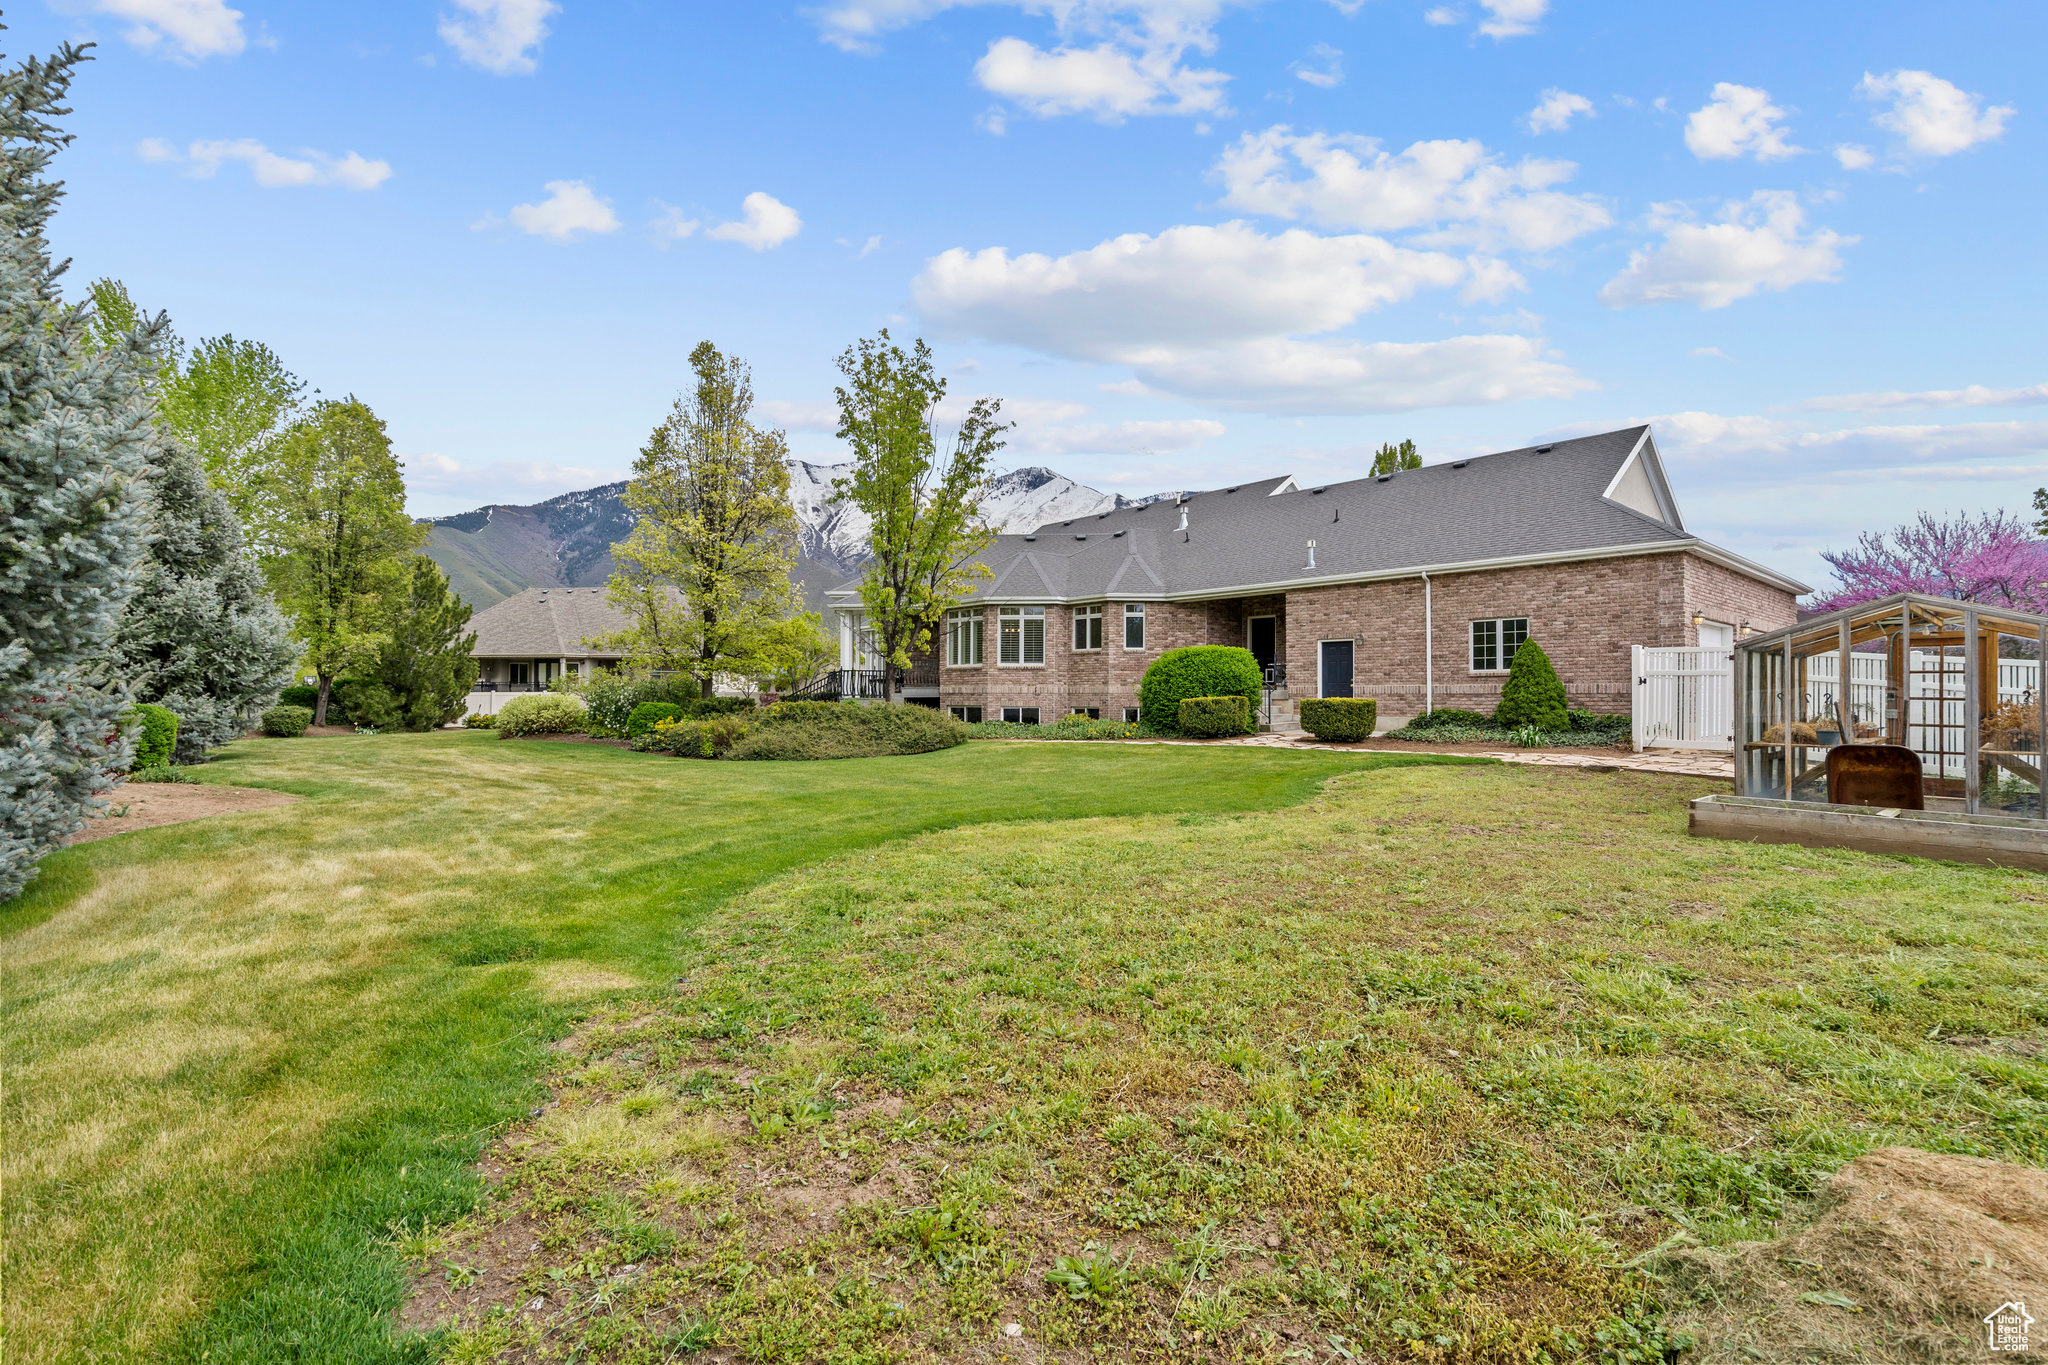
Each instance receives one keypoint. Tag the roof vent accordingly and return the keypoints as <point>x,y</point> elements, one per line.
<point>1315,490</point>
<point>1459,464</point>
<point>1114,534</point>
<point>1031,537</point>
<point>1381,478</point>
<point>1545,450</point>
<point>1080,537</point>
<point>1230,490</point>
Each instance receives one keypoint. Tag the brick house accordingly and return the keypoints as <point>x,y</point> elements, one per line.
<point>1413,588</point>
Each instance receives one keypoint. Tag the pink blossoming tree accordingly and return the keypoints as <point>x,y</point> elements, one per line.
<point>1992,558</point>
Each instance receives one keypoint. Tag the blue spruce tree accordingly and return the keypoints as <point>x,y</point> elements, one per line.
<point>74,441</point>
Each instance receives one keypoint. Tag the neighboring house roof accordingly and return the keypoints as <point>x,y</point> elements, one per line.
<point>545,623</point>
<point>1590,497</point>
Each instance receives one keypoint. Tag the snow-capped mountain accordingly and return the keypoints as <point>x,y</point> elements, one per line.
<point>496,551</point>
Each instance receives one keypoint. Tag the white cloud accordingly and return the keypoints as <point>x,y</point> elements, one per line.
<point>1216,313</point>
<point>1107,81</point>
<point>1772,450</point>
<point>436,485</point>
<point>870,246</point>
<point>501,36</point>
<point>1973,396</point>
<point>1853,157</point>
<point>673,225</point>
<point>1327,70</point>
<point>766,222</point>
<point>571,207</point>
<point>1512,18</point>
<point>1932,116</point>
<point>1454,186</point>
<point>1739,120</point>
<point>1443,16</point>
<point>1762,242</point>
<point>1556,110</point>
<point>792,416</point>
<point>271,170</point>
<point>186,29</point>
<point>1110,438</point>
<point>1710,353</point>
<point>1114,59</point>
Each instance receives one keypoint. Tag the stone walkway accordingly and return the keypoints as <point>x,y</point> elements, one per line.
<point>1682,762</point>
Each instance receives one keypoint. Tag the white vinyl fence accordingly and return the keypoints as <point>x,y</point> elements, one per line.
<point>1683,698</point>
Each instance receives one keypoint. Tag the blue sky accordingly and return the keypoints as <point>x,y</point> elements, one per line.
<point>1187,241</point>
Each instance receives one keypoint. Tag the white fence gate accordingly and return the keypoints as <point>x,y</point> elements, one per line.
<point>1683,698</point>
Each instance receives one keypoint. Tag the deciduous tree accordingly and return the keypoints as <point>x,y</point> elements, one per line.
<point>74,443</point>
<point>927,531</point>
<point>1990,557</point>
<point>1389,459</point>
<point>342,541</point>
<point>705,572</point>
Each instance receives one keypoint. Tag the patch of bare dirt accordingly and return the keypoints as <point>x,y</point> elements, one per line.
<point>1904,1256</point>
<point>145,805</point>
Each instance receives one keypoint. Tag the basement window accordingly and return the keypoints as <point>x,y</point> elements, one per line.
<point>970,714</point>
<point>1020,715</point>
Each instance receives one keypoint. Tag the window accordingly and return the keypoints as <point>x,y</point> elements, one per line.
<point>1087,628</point>
<point>963,637</point>
<point>517,673</point>
<point>1092,712</point>
<point>1494,642</point>
<point>970,714</point>
<point>1131,715</point>
<point>1020,715</point>
<point>575,670</point>
<point>1020,632</point>
<point>1134,625</point>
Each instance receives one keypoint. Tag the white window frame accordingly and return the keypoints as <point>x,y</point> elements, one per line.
<point>965,626</point>
<point>1502,655</point>
<point>1134,611</point>
<point>1023,616</point>
<point>1026,715</point>
<point>962,713</point>
<point>1085,617</point>
<point>1092,712</point>
<point>1131,715</point>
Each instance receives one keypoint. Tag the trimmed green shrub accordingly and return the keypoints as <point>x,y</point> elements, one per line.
<point>673,735</point>
<point>648,713</point>
<point>823,729</point>
<point>1532,694</point>
<point>1213,717</point>
<point>287,722</point>
<point>1200,671</point>
<point>1448,716</point>
<point>613,697</point>
<point>1340,720</point>
<point>156,735</point>
<point>541,713</point>
<point>480,720</point>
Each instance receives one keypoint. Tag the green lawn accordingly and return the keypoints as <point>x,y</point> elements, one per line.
<point>245,1055</point>
<point>1426,1068</point>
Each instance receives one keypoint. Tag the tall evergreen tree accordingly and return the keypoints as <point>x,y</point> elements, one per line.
<point>201,635</point>
<point>926,507</point>
<point>715,523</point>
<point>424,668</point>
<point>342,541</point>
<point>74,441</point>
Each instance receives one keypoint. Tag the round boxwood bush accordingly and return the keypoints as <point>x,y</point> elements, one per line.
<point>1532,694</point>
<point>648,714</point>
<point>1199,671</point>
<point>1212,717</point>
<point>541,713</point>
<point>287,722</point>
<point>1341,720</point>
<point>156,735</point>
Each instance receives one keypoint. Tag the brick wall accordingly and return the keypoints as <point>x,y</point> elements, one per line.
<point>1585,615</point>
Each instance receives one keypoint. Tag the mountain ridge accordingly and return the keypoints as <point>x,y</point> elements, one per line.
<point>500,549</point>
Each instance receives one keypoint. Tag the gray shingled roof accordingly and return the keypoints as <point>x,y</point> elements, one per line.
<point>1538,501</point>
<point>547,623</point>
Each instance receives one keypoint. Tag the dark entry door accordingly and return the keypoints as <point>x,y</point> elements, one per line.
<point>1261,641</point>
<point>1336,668</point>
